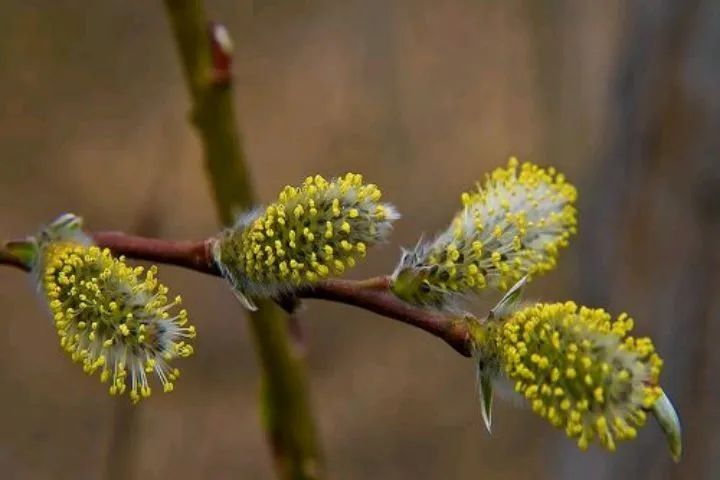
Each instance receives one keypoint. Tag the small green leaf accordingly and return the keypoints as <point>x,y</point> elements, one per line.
<point>667,417</point>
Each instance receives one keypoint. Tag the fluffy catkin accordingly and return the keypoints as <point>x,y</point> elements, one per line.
<point>310,232</point>
<point>578,368</point>
<point>512,226</point>
<point>109,316</point>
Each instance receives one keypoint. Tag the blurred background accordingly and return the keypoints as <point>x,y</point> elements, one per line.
<point>423,97</point>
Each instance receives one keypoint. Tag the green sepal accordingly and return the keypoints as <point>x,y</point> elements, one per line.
<point>485,391</point>
<point>485,371</point>
<point>246,302</point>
<point>669,422</point>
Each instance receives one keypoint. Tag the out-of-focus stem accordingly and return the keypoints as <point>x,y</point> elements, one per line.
<point>121,457</point>
<point>285,400</point>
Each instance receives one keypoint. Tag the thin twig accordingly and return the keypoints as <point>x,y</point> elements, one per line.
<point>371,294</point>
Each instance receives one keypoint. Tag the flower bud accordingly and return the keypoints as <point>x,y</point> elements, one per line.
<point>311,232</point>
<point>511,227</point>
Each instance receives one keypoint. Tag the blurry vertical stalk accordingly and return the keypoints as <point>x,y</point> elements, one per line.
<point>377,21</point>
<point>545,27</point>
<point>549,32</point>
<point>121,461</point>
<point>652,215</point>
<point>285,396</point>
<point>558,36</point>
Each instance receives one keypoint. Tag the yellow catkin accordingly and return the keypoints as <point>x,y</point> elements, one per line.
<point>310,232</point>
<point>113,318</point>
<point>579,369</point>
<point>513,225</point>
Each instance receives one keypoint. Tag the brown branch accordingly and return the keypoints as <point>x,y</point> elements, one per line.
<point>187,254</point>
<point>372,294</point>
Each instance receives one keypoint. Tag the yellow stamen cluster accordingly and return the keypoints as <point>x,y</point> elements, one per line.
<point>579,369</point>
<point>512,226</point>
<point>311,232</point>
<point>112,319</point>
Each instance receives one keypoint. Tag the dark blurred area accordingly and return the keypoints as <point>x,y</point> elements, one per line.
<point>422,97</point>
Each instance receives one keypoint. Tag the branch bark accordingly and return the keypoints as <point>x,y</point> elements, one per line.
<point>371,294</point>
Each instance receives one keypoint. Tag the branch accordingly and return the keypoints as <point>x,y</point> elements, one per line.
<point>372,294</point>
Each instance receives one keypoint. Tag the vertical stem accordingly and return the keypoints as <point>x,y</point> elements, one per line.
<point>121,457</point>
<point>654,141</point>
<point>285,397</point>
<point>121,462</point>
<point>212,109</point>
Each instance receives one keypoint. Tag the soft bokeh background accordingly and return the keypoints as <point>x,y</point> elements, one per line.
<point>423,97</point>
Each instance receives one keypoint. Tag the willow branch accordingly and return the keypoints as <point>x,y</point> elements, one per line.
<point>372,294</point>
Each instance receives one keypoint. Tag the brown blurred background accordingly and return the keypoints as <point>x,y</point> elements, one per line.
<point>422,97</point>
